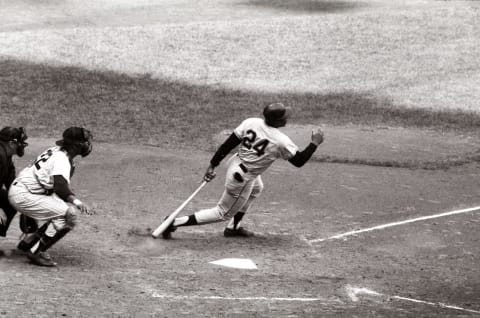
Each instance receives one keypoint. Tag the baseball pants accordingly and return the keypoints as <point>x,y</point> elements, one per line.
<point>241,189</point>
<point>40,207</point>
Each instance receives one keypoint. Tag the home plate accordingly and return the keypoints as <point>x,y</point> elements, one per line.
<point>242,263</point>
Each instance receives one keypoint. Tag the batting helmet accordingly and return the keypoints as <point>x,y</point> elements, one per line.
<point>18,135</point>
<point>77,137</point>
<point>276,114</point>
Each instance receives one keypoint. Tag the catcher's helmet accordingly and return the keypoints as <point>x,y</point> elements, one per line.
<point>18,135</point>
<point>276,114</point>
<point>77,137</point>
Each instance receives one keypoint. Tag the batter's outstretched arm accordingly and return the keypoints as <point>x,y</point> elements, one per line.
<point>227,146</point>
<point>301,157</point>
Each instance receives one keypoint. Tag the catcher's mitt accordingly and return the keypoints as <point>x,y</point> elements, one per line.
<point>27,224</point>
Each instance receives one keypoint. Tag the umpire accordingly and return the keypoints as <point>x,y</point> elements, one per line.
<point>12,141</point>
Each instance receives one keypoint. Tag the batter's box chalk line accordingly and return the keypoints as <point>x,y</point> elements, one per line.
<point>384,226</point>
<point>154,293</point>
<point>356,293</point>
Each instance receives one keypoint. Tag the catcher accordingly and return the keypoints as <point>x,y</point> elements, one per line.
<point>42,192</point>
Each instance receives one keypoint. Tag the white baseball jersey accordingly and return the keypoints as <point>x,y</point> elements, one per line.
<point>38,176</point>
<point>262,145</point>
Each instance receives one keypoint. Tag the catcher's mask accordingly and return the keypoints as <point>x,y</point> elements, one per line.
<point>276,114</point>
<point>17,136</point>
<point>77,138</point>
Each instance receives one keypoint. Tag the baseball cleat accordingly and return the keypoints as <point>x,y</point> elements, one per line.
<point>167,234</point>
<point>240,232</point>
<point>41,259</point>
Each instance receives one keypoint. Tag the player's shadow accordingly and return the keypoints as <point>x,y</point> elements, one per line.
<point>305,5</point>
<point>141,109</point>
<point>11,253</point>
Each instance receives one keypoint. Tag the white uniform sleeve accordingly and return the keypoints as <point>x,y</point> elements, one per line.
<point>240,130</point>
<point>288,149</point>
<point>61,166</point>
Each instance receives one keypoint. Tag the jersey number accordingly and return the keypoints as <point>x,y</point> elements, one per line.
<point>43,157</point>
<point>249,142</point>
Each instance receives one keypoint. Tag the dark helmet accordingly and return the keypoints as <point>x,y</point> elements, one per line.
<point>77,138</point>
<point>276,114</point>
<point>17,135</point>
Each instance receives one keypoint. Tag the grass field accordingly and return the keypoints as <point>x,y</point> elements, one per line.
<point>130,79</point>
<point>394,84</point>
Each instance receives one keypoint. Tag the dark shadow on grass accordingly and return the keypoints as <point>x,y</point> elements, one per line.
<point>125,109</point>
<point>306,5</point>
<point>442,164</point>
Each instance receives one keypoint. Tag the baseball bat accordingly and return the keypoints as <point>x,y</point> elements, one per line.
<point>159,230</point>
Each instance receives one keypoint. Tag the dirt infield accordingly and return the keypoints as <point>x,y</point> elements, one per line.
<point>110,267</point>
<point>383,222</point>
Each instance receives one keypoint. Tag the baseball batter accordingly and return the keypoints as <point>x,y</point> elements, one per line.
<point>261,143</point>
<point>42,192</point>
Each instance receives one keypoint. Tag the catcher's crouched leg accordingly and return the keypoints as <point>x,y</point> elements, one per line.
<point>71,216</point>
<point>59,227</point>
<point>55,230</point>
<point>50,232</point>
<point>27,224</point>
<point>29,228</point>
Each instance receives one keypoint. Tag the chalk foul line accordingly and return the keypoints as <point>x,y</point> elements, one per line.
<point>383,226</point>
<point>355,292</point>
<point>154,293</point>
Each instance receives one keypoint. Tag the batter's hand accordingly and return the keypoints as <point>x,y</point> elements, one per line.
<point>210,174</point>
<point>317,136</point>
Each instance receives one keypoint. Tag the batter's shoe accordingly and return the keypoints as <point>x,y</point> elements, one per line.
<point>41,259</point>
<point>167,234</point>
<point>240,232</point>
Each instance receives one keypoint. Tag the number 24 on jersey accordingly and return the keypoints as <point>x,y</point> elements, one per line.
<point>249,142</point>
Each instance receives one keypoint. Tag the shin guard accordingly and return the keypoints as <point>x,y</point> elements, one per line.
<point>29,241</point>
<point>48,241</point>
